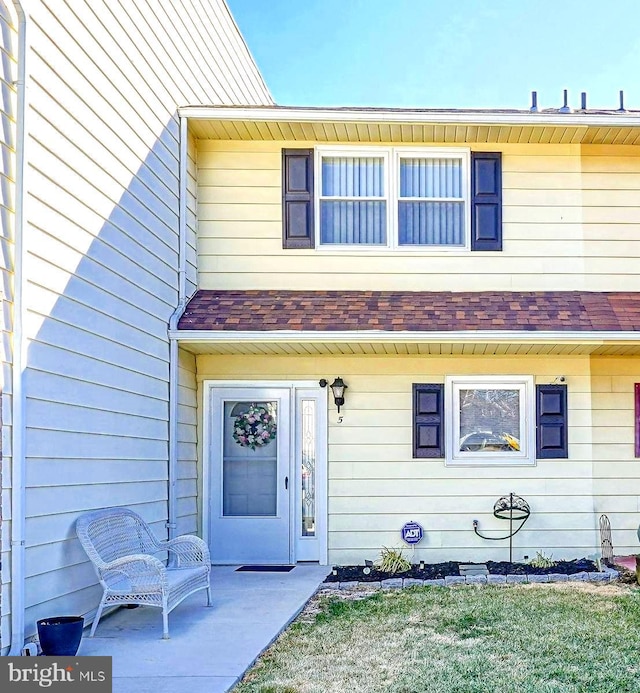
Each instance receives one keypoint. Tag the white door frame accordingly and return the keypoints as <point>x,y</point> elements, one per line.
<point>250,537</point>
<point>321,474</point>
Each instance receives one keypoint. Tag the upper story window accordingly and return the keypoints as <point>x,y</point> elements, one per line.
<point>354,200</point>
<point>391,198</point>
<point>394,198</point>
<point>431,200</point>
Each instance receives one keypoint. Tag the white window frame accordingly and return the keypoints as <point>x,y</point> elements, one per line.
<point>461,154</point>
<point>392,157</point>
<point>525,456</point>
<point>377,152</point>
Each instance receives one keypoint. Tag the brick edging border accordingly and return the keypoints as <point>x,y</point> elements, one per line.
<point>608,575</point>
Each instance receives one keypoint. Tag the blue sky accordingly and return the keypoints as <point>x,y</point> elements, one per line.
<point>444,53</point>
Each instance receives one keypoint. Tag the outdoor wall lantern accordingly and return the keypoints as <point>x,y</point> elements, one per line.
<point>337,388</point>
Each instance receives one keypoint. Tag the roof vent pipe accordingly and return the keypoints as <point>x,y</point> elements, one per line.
<point>565,107</point>
<point>583,101</point>
<point>622,108</point>
<point>534,102</point>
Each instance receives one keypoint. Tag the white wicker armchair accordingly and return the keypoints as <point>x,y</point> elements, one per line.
<point>121,545</point>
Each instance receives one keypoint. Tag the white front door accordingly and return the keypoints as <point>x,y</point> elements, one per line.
<point>250,479</point>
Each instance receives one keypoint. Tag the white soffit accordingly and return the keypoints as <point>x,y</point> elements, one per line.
<point>305,343</point>
<point>379,125</point>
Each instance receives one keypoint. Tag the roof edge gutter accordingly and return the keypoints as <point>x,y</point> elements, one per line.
<point>468,336</point>
<point>172,472</point>
<point>399,116</point>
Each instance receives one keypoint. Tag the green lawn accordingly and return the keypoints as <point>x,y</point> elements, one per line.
<point>517,639</point>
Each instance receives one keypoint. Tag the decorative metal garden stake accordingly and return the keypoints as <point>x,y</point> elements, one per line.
<point>511,507</point>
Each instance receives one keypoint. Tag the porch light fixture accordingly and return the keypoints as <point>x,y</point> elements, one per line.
<point>338,387</point>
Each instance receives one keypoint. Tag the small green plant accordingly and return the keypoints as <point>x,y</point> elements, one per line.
<point>542,561</point>
<point>392,561</point>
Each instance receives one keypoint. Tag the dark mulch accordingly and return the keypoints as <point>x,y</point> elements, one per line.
<point>433,571</point>
<point>578,565</point>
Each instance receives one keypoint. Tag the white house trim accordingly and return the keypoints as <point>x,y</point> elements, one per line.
<point>293,385</point>
<point>172,502</point>
<point>18,431</point>
<point>525,384</point>
<point>392,157</point>
<point>312,115</point>
<point>182,212</point>
<point>378,337</point>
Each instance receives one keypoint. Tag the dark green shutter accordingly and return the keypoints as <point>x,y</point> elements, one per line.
<point>486,201</point>
<point>428,420</point>
<point>297,198</point>
<point>551,422</point>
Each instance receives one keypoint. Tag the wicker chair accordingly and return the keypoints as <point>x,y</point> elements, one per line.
<point>120,545</point>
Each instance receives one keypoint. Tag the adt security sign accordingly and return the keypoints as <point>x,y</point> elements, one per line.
<point>412,533</point>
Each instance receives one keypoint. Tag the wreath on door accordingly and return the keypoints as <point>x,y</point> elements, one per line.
<point>255,427</point>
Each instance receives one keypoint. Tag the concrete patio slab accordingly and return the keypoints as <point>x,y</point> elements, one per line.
<point>209,648</point>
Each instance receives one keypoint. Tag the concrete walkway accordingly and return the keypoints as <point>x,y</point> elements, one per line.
<point>210,648</point>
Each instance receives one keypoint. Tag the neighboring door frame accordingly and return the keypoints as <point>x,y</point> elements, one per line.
<point>208,440</point>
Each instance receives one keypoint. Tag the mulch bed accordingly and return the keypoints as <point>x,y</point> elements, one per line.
<point>433,571</point>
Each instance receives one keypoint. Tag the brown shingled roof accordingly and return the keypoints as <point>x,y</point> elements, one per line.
<point>406,311</point>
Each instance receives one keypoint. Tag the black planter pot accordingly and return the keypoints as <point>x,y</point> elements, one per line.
<point>60,636</point>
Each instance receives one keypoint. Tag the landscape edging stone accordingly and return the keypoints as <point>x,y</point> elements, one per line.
<point>607,575</point>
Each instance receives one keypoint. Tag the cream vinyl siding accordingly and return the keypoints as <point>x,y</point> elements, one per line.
<point>8,75</point>
<point>616,470</point>
<point>240,236</point>
<point>375,485</point>
<point>555,215</point>
<point>187,442</point>
<point>611,181</point>
<point>102,263</point>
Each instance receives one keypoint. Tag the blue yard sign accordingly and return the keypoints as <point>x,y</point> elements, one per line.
<point>412,533</point>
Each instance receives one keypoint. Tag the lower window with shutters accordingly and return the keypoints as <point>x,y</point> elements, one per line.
<point>491,420</point>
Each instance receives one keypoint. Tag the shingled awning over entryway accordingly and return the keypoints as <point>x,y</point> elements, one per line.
<point>405,311</point>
